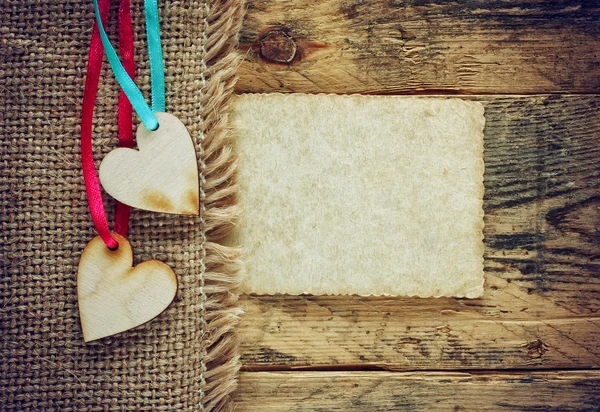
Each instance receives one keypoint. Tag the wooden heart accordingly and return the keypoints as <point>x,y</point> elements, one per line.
<point>162,176</point>
<point>113,296</point>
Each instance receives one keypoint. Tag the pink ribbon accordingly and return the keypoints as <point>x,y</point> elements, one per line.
<point>94,69</point>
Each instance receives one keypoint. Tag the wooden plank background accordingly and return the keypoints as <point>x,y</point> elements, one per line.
<point>384,391</point>
<point>421,46</point>
<point>531,342</point>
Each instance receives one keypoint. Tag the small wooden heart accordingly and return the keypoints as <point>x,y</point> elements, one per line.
<point>162,176</point>
<point>113,296</point>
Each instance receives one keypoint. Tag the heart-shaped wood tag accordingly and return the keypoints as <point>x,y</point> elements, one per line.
<point>162,176</point>
<point>113,296</point>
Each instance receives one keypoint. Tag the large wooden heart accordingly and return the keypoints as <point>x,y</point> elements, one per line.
<point>162,176</point>
<point>113,296</point>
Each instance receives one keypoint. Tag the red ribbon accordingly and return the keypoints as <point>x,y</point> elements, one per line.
<point>94,69</point>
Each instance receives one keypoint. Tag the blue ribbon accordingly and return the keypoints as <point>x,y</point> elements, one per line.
<point>157,71</point>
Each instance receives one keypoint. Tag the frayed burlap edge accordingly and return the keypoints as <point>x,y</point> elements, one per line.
<point>221,264</point>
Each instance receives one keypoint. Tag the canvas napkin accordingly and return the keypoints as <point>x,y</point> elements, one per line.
<point>184,360</point>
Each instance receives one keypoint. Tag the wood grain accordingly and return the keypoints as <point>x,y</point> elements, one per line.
<point>421,46</point>
<point>113,296</point>
<point>542,292</point>
<point>162,176</point>
<point>381,391</point>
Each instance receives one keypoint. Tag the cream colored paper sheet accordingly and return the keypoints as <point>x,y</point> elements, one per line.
<point>376,195</point>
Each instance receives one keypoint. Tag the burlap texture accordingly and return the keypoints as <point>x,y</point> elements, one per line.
<point>186,359</point>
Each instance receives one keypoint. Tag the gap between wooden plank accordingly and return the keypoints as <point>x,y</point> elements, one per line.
<point>367,368</point>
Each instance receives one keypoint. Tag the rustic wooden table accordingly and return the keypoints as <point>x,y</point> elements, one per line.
<point>533,341</point>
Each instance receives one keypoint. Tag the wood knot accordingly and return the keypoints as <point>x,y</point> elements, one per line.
<point>536,348</point>
<point>278,46</point>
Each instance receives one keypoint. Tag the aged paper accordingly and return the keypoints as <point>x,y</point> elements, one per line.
<point>368,195</point>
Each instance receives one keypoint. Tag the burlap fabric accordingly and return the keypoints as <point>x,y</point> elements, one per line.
<point>185,359</point>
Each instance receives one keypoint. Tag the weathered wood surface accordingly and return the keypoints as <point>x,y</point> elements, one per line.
<point>541,306</point>
<point>542,292</point>
<point>421,46</point>
<point>382,391</point>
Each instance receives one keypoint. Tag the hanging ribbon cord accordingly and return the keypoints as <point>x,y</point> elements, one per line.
<point>124,110</point>
<point>129,96</point>
<point>94,68</point>
<point>157,74</point>
<point>157,69</point>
